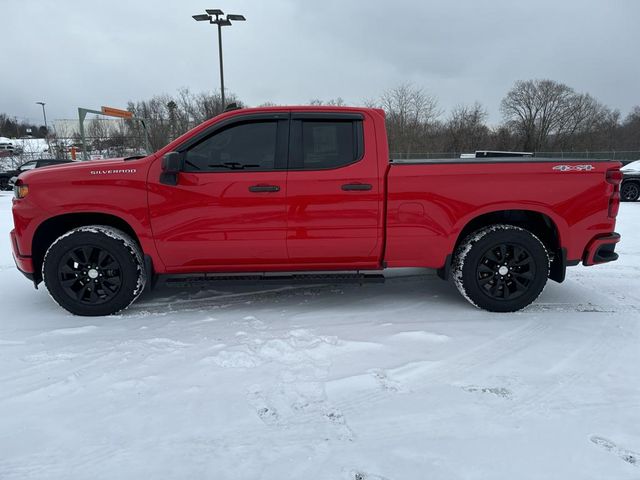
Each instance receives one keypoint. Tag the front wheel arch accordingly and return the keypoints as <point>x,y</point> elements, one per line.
<point>53,228</point>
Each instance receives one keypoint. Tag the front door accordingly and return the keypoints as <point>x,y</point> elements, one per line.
<point>228,210</point>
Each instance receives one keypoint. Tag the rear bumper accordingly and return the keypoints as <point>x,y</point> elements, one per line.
<point>24,264</point>
<point>601,249</point>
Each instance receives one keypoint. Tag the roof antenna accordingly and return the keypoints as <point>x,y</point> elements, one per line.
<point>231,107</point>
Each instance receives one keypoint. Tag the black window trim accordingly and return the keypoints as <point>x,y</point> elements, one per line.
<point>282,139</point>
<point>295,134</point>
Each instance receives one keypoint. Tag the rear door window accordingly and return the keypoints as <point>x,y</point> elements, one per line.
<point>325,144</point>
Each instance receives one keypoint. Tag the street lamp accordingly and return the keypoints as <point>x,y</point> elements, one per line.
<point>46,128</point>
<point>216,17</point>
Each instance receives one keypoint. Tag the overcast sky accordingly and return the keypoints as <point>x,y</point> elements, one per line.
<point>73,53</point>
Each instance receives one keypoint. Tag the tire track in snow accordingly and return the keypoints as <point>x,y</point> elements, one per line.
<point>421,375</point>
<point>595,355</point>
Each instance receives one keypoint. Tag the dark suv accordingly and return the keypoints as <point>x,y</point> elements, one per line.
<point>630,190</point>
<point>8,178</point>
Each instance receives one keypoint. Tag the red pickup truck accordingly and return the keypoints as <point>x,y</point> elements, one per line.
<point>301,193</point>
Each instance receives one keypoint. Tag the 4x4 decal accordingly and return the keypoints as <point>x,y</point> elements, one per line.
<point>574,168</point>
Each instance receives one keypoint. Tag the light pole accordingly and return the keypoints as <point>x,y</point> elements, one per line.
<point>221,21</point>
<point>46,128</point>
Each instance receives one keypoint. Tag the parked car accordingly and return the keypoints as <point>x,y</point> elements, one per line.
<point>8,178</point>
<point>309,193</point>
<point>630,190</point>
<point>8,148</point>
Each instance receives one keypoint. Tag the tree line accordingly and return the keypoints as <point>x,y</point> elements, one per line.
<point>537,116</point>
<point>11,127</point>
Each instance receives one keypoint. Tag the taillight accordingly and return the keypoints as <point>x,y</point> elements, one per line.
<point>614,177</point>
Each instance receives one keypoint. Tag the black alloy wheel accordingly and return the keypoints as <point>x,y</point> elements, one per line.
<point>506,271</point>
<point>90,274</point>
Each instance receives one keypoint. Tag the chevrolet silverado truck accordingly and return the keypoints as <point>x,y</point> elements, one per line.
<point>308,193</point>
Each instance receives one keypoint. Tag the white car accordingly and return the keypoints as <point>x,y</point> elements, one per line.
<point>630,190</point>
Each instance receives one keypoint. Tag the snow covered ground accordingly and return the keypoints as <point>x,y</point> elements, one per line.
<point>397,381</point>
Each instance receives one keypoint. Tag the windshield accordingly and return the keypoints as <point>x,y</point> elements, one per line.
<point>27,166</point>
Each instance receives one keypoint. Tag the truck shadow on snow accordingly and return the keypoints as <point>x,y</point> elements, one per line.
<point>410,293</point>
<point>397,292</point>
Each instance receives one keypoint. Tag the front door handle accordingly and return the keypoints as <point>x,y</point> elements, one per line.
<point>264,188</point>
<point>357,187</point>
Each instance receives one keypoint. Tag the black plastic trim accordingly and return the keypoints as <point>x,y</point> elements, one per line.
<point>606,253</point>
<point>558,268</point>
<point>445,271</point>
<point>472,161</point>
<point>327,116</point>
<point>152,277</point>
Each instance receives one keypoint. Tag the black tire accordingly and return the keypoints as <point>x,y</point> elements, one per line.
<point>94,271</point>
<point>501,268</point>
<point>4,184</point>
<point>630,191</point>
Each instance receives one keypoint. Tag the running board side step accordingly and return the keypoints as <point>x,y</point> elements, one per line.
<point>311,278</point>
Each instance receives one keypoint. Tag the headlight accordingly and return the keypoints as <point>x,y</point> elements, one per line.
<point>20,190</point>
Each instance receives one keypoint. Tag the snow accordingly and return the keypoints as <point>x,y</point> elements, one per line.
<point>404,380</point>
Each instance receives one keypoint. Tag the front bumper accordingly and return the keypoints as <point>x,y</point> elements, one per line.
<point>24,264</point>
<point>601,250</point>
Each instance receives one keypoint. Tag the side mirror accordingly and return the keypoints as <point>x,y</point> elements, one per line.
<point>172,165</point>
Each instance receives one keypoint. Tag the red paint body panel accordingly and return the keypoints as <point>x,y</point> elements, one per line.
<point>412,216</point>
<point>429,205</point>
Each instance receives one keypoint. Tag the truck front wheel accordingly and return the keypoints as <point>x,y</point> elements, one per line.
<point>94,271</point>
<point>501,268</point>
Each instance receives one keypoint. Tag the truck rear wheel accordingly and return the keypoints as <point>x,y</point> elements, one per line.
<point>94,271</point>
<point>501,268</point>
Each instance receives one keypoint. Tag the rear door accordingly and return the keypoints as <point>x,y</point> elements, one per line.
<point>334,197</point>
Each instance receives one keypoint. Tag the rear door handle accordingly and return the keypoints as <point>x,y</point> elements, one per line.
<point>264,188</point>
<point>357,187</point>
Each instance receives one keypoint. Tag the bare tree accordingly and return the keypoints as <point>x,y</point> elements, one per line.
<point>167,117</point>
<point>333,102</point>
<point>535,109</point>
<point>465,130</point>
<point>412,115</point>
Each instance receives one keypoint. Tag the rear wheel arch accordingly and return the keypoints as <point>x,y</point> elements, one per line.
<point>538,223</point>
<point>53,228</point>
